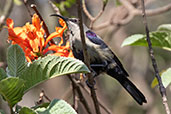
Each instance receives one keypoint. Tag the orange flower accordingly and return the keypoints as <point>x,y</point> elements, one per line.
<point>31,39</point>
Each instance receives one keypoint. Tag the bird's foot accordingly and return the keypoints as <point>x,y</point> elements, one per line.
<point>90,85</point>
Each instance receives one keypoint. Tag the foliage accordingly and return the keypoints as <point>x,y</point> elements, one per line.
<point>25,76</point>
<point>160,38</point>
<point>12,90</point>
<point>16,60</point>
<point>57,106</point>
<point>49,67</point>
<point>65,4</point>
<point>166,78</point>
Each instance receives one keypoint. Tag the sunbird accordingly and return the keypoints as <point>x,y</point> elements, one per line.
<point>102,59</point>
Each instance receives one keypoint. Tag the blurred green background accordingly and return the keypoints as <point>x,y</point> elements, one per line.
<point>135,59</point>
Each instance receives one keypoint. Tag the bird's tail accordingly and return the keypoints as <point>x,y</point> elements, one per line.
<point>132,89</point>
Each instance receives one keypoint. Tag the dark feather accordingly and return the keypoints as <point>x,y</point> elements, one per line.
<point>93,38</point>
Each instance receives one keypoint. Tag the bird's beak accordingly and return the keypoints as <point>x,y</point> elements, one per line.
<point>62,17</point>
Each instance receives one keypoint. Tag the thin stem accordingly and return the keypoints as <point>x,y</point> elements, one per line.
<point>74,94</point>
<point>44,24</point>
<point>154,63</point>
<point>80,95</point>
<point>27,7</point>
<point>100,102</point>
<point>86,58</point>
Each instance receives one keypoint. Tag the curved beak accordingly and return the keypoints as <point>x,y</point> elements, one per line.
<point>62,17</point>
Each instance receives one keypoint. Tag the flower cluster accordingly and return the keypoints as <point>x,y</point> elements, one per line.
<point>31,39</point>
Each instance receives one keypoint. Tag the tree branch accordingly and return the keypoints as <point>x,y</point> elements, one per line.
<point>93,19</point>
<point>131,13</point>
<point>154,63</point>
<point>86,58</point>
<point>44,24</point>
<point>80,95</point>
<point>100,102</point>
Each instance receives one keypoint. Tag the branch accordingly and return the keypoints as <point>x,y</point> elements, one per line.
<point>27,7</point>
<point>6,11</point>
<point>131,13</point>
<point>100,103</point>
<point>75,104</point>
<point>41,96</point>
<point>93,19</point>
<point>44,24</point>
<point>154,63</point>
<point>80,95</point>
<point>86,58</point>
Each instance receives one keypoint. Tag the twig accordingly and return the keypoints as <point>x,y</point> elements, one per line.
<point>27,7</point>
<point>154,63</point>
<point>44,24</point>
<point>6,11</point>
<point>74,94</point>
<point>100,103</point>
<point>86,58</point>
<point>80,95</point>
<point>41,96</point>
<point>92,19</point>
<point>47,98</point>
<point>131,13</point>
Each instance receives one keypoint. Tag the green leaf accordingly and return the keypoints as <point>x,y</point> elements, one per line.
<point>160,38</point>
<point>57,107</point>
<point>165,27</point>
<point>51,66</point>
<point>44,105</point>
<point>1,111</point>
<point>65,4</point>
<point>12,90</point>
<point>26,110</point>
<point>16,60</point>
<point>2,74</point>
<point>166,78</point>
<point>131,40</point>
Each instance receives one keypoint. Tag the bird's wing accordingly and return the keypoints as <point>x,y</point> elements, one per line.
<point>95,39</point>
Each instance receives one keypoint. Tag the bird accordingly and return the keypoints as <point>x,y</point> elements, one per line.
<point>102,58</point>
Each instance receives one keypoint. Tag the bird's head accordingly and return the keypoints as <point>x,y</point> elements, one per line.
<point>72,23</point>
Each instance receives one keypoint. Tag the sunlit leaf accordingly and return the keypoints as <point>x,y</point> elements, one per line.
<point>57,107</point>
<point>16,60</point>
<point>166,78</point>
<point>165,27</point>
<point>131,40</point>
<point>49,67</point>
<point>160,38</point>
<point>12,90</point>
